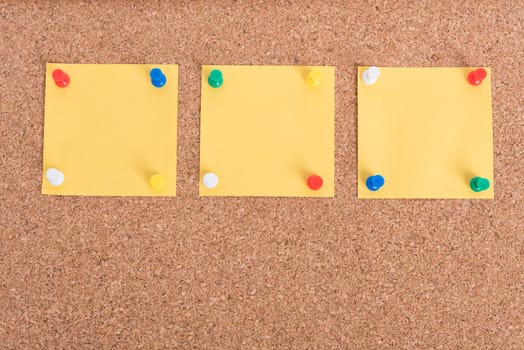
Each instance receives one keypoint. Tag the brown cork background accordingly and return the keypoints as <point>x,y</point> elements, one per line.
<point>266,273</point>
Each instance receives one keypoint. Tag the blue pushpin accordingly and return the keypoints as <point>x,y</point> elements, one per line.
<point>158,79</point>
<point>375,182</point>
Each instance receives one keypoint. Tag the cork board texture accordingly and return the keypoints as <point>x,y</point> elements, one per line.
<point>269,273</point>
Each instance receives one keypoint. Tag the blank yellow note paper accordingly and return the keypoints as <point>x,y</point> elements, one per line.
<point>110,130</point>
<point>266,129</point>
<point>427,131</point>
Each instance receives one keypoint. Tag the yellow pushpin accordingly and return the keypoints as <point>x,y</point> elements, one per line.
<point>157,182</point>
<point>314,78</point>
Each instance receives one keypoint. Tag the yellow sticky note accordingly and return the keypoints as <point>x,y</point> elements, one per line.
<point>110,130</point>
<point>265,130</point>
<point>427,131</point>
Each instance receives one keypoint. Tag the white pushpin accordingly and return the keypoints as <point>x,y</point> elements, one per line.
<point>370,75</point>
<point>210,180</point>
<point>54,176</point>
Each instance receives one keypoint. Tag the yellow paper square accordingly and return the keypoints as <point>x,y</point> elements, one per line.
<point>110,130</point>
<point>428,131</point>
<point>265,130</point>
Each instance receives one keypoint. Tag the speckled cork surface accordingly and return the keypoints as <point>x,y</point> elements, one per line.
<point>267,273</point>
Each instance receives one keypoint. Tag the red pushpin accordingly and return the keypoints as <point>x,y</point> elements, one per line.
<point>61,78</point>
<point>475,77</point>
<point>314,182</point>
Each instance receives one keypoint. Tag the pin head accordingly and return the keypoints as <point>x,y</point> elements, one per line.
<point>210,180</point>
<point>157,182</point>
<point>314,78</point>
<point>61,78</point>
<point>370,75</point>
<point>475,77</point>
<point>314,182</point>
<point>158,79</point>
<point>479,184</point>
<point>54,176</point>
<point>215,78</point>
<point>375,182</point>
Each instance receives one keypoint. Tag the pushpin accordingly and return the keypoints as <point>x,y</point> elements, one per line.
<point>314,78</point>
<point>157,182</point>
<point>158,79</point>
<point>476,76</point>
<point>479,184</point>
<point>210,180</point>
<point>215,78</point>
<point>54,176</point>
<point>370,75</point>
<point>61,78</point>
<point>374,182</point>
<point>314,182</point>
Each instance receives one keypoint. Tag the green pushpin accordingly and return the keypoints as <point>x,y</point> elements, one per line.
<point>479,184</point>
<point>215,78</point>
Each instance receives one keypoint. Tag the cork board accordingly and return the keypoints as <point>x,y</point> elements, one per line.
<point>190,272</point>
